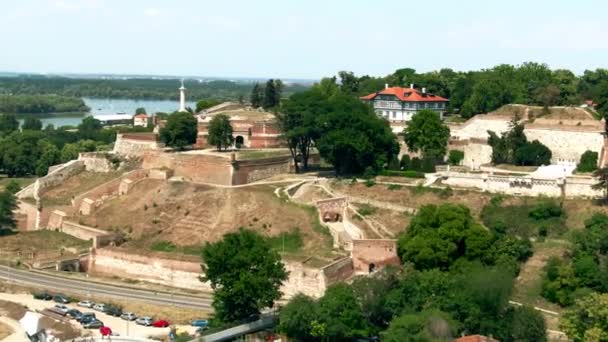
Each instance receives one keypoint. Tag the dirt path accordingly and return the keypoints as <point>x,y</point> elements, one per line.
<point>16,331</point>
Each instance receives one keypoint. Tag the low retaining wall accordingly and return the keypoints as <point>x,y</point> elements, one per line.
<point>573,186</point>
<point>185,274</point>
<point>99,238</point>
<point>58,174</point>
<point>135,144</point>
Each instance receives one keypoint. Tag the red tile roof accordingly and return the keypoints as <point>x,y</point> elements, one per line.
<point>141,116</point>
<point>406,95</point>
<point>475,338</point>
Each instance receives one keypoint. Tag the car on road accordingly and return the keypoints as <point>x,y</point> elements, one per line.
<point>59,298</point>
<point>128,316</point>
<point>86,317</point>
<point>60,309</point>
<point>74,313</point>
<point>86,304</point>
<point>147,321</point>
<point>161,323</point>
<point>113,310</point>
<point>201,323</point>
<point>93,324</point>
<point>43,295</point>
<point>99,307</point>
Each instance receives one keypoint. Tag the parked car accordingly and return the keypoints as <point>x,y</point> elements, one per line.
<point>113,311</point>
<point>74,313</point>
<point>147,321</point>
<point>201,323</point>
<point>86,317</point>
<point>43,295</point>
<point>99,307</point>
<point>128,316</point>
<point>86,304</point>
<point>93,324</point>
<point>161,323</point>
<point>60,309</point>
<point>61,299</point>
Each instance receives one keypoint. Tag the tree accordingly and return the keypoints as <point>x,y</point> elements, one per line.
<point>180,131</point>
<point>245,274</point>
<point>455,157</point>
<point>32,123</point>
<point>8,124</point>
<point>220,132</point>
<point>89,128</point>
<point>8,203</point>
<point>69,152</point>
<point>297,317</point>
<point>340,314</point>
<point>272,94</point>
<point>602,183</point>
<point>349,83</point>
<point>587,320</point>
<point>297,122</point>
<point>528,325</point>
<point>588,162</point>
<point>50,155</point>
<point>428,325</point>
<point>140,110</point>
<point>534,153</point>
<point>428,134</point>
<point>257,96</point>
<point>353,137</point>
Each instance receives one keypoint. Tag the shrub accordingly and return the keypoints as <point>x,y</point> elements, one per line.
<point>369,173</point>
<point>546,210</point>
<point>366,210</point>
<point>415,164</point>
<point>446,192</point>
<point>369,183</point>
<point>164,246</point>
<point>393,164</point>
<point>405,162</point>
<point>428,165</point>
<point>588,162</point>
<point>394,187</point>
<point>413,174</point>
<point>455,157</point>
<point>533,154</point>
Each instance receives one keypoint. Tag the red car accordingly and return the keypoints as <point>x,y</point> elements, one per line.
<point>161,323</point>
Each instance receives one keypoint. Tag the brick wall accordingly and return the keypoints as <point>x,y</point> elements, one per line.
<point>248,171</point>
<point>339,270</point>
<point>377,253</point>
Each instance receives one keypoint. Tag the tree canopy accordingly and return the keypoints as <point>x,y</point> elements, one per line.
<point>426,133</point>
<point>245,274</point>
<point>32,124</point>
<point>180,130</point>
<point>220,132</point>
<point>512,147</point>
<point>587,320</point>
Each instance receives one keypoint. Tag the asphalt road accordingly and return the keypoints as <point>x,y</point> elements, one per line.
<point>57,284</point>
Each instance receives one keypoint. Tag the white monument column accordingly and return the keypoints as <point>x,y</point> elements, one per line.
<point>182,98</point>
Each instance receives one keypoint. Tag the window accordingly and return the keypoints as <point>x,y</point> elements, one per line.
<point>394,115</point>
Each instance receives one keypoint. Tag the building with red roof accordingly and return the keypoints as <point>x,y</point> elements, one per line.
<point>140,120</point>
<point>398,104</point>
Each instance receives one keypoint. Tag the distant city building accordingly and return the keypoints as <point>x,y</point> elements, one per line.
<point>398,104</point>
<point>140,120</point>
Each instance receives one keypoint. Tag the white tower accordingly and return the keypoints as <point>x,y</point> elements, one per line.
<point>182,97</point>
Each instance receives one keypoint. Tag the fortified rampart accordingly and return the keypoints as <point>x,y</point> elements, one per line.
<point>135,144</point>
<point>186,273</point>
<point>373,254</point>
<point>99,238</point>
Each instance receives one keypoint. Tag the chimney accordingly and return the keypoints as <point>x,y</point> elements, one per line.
<point>412,85</point>
<point>424,90</point>
<point>385,85</point>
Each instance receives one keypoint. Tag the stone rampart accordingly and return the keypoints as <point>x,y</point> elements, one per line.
<point>135,144</point>
<point>56,177</point>
<point>339,270</point>
<point>96,161</point>
<point>566,144</point>
<point>28,214</point>
<point>372,255</point>
<point>573,186</point>
<point>249,171</point>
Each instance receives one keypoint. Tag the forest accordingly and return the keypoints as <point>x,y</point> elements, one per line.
<point>135,88</point>
<point>37,104</point>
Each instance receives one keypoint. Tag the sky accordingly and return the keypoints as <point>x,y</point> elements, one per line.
<point>306,39</point>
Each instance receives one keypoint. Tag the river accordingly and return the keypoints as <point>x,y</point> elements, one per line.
<point>108,106</point>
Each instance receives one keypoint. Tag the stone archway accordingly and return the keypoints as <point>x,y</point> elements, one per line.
<point>239,141</point>
<point>372,267</point>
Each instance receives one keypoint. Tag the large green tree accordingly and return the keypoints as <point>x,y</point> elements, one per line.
<point>426,133</point>
<point>220,132</point>
<point>297,318</point>
<point>8,124</point>
<point>257,96</point>
<point>245,274</point>
<point>353,138</point>
<point>587,320</point>
<point>32,123</point>
<point>180,130</point>
<point>205,104</point>
<point>8,204</point>
<point>340,314</point>
<point>528,325</point>
<point>428,325</point>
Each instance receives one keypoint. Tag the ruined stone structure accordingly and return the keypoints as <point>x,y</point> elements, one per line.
<point>99,238</point>
<point>135,144</point>
<point>371,255</point>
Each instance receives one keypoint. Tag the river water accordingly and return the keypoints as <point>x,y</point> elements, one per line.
<point>108,106</point>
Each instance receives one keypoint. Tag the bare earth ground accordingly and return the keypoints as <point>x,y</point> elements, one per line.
<point>5,330</point>
<point>188,215</point>
<point>76,185</point>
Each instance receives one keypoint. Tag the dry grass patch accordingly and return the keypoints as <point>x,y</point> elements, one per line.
<point>62,194</point>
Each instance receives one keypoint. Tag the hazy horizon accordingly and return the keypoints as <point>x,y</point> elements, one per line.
<point>296,40</point>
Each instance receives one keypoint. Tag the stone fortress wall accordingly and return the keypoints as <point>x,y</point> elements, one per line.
<point>135,144</point>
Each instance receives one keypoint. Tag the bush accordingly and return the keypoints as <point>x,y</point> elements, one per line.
<point>164,246</point>
<point>455,157</point>
<point>413,174</point>
<point>369,173</point>
<point>369,183</point>
<point>546,210</point>
<point>415,164</point>
<point>533,154</point>
<point>393,164</point>
<point>588,162</point>
<point>446,192</point>
<point>428,165</point>
<point>394,187</point>
<point>405,162</point>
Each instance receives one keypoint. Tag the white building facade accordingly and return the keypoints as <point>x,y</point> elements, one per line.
<point>397,104</point>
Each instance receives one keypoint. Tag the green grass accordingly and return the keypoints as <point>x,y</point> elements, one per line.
<point>259,154</point>
<point>22,181</point>
<point>517,220</point>
<point>287,242</point>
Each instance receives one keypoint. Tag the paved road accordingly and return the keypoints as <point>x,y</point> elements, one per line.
<point>58,283</point>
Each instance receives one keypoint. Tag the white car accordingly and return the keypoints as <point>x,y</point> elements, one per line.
<point>86,304</point>
<point>147,321</point>
<point>99,307</point>
<point>128,316</point>
<point>61,308</point>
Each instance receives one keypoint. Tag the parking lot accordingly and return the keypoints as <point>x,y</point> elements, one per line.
<point>118,325</point>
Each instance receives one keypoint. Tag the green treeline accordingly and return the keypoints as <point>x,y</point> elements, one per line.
<point>165,89</point>
<point>482,91</point>
<point>38,104</point>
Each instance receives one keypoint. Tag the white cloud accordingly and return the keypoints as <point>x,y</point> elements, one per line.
<point>151,12</point>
